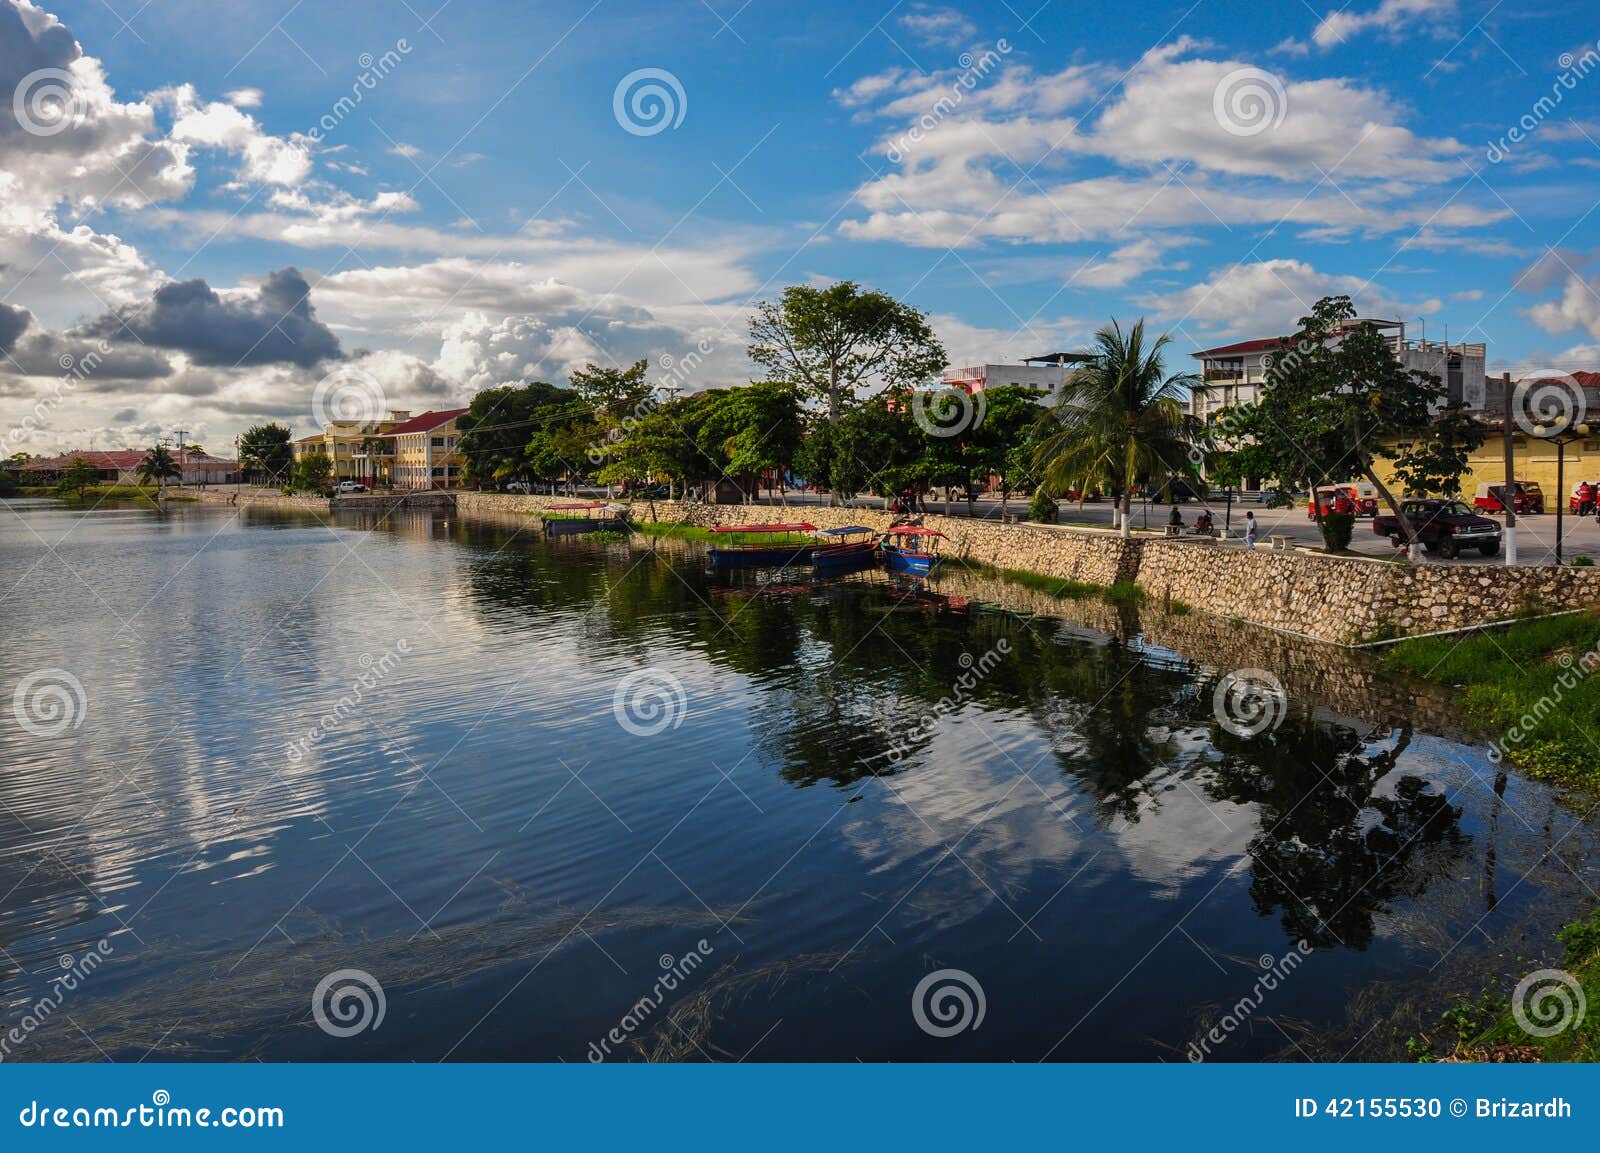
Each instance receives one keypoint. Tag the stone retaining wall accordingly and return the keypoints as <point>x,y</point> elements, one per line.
<point>1341,600</point>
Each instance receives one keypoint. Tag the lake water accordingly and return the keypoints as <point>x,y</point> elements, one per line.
<point>549,795</point>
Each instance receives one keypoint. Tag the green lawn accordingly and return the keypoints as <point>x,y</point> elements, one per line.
<point>1532,688</point>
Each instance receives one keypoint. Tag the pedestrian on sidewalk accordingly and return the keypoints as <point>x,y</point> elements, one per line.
<point>1250,530</point>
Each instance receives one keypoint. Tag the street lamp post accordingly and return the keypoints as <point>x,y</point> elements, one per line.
<point>1561,435</point>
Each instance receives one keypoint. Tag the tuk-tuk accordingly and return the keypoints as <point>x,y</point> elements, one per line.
<point>1359,499</point>
<point>1527,497</point>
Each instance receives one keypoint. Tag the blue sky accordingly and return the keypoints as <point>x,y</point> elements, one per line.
<point>1023,173</point>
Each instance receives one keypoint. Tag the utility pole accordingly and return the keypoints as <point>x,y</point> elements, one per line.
<point>1508,496</point>
<point>181,434</point>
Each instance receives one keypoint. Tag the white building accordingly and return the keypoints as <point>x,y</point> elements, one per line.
<point>1040,374</point>
<point>1236,373</point>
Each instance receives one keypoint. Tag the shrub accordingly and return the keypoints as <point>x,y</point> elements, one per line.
<point>1583,562</point>
<point>1337,529</point>
<point>1042,507</point>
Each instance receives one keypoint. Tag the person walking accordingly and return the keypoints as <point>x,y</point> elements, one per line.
<point>1250,530</point>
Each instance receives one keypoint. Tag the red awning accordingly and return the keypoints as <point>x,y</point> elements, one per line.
<point>801,527</point>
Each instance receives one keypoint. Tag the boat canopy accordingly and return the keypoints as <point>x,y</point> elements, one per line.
<point>847,530</point>
<point>915,530</point>
<point>801,527</point>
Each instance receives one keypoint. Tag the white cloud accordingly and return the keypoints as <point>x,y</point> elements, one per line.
<point>1265,298</point>
<point>1577,308</point>
<point>266,158</point>
<point>244,97</point>
<point>938,26</point>
<point>1391,16</point>
<point>409,151</point>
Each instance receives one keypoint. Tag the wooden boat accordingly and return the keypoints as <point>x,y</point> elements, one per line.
<point>793,546</point>
<point>911,548</point>
<point>581,517</point>
<point>845,549</point>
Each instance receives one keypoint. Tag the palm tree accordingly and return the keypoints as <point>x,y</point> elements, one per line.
<point>1121,419</point>
<point>158,465</point>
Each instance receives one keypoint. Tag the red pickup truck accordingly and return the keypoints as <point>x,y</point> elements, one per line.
<point>1443,526</point>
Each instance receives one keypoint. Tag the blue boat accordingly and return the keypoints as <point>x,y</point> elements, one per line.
<point>795,546</point>
<point>911,548</point>
<point>845,550</point>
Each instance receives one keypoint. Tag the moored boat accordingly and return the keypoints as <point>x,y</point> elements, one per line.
<point>846,549</point>
<point>793,545</point>
<point>911,548</point>
<point>580,517</point>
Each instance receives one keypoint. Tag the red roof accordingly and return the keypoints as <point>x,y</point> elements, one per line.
<point>118,459</point>
<point>1267,345</point>
<point>425,422</point>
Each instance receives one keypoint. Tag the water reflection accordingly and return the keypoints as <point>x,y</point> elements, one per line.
<point>871,776</point>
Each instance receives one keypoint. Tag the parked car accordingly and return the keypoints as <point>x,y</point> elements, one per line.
<point>1529,498</point>
<point>521,486</point>
<point>349,486</point>
<point>651,492</point>
<point>1443,526</point>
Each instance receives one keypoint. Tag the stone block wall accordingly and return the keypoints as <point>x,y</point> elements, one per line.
<point>1341,600</point>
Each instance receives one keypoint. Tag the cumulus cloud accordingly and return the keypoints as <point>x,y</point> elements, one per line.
<point>1266,298</point>
<point>1158,155</point>
<point>1390,16</point>
<point>275,325</point>
<point>265,159</point>
<point>1578,307</point>
<point>64,136</point>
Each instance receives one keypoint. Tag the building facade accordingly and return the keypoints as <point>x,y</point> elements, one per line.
<point>1040,374</point>
<point>1236,373</point>
<point>426,451</point>
<point>358,448</point>
<point>121,466</point>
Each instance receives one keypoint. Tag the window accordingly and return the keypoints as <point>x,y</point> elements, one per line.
<point>438,442</point>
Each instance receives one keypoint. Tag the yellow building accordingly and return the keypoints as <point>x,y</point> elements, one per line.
<point>358,448</point>
<point>426,450</point>
<point>1533,459</point>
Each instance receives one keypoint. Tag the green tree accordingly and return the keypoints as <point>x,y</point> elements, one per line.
<point>834,342</point>
<point>1337,400</point>
<point>876,447</point>
<point>80,476</point>
<point>1007,436</point>
<point>265,455</point>
<point>158,467</point>
<point>313,473</point>
<point>1121,419</point>
<point>500,425</point>
<point>756,428</point>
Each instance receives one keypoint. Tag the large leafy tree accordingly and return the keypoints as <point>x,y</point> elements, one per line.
<point>313,473</point>
<point>158,467</point>
<point>264,451</point>
<point>756,428</point>
<point>80,476</point>
<point>834,343</point>
<point>874,447</point>
<point>498,428</point>
<point>1337,401</point>
<point>1121,419</point>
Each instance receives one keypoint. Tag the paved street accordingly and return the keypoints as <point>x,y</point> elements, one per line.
<point>1536,535</point>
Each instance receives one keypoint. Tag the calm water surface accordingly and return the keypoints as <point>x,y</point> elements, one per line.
<point>398,747</point>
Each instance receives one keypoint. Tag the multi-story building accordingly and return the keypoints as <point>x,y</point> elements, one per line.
<point>426,450</point>
<point>1040,374</point>
<point>358,448</point>
<point>1236,373</point>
